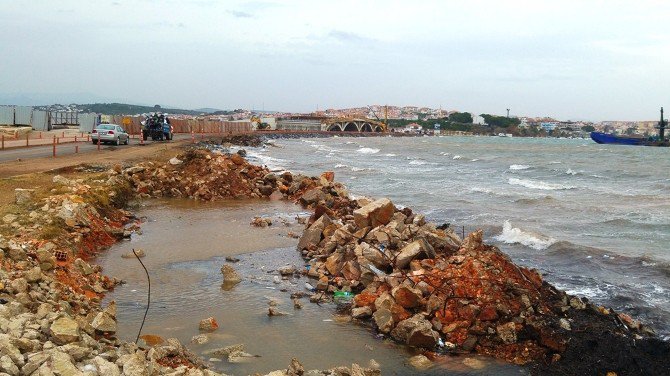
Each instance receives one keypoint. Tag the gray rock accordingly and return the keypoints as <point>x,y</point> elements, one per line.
<point>384,320</point>
<point>83,267</point>
<point>411,251</point>
<point>312,235</point>
<point>23,196</point>
<point>287,270</point>
<point>64,330</point>
<point>7,366</point>
<point>33,274</point>
<point>62,364</point>
<point>361,312</point>
<point>135,365</point>
<point>416,331</point>
<point>105,367</point>
<point>420,362</point>
<point>19,285</point>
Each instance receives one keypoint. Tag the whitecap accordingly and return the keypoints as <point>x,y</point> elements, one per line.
<point>357,169</point>
<point>516,167</point>
<point>481,190</point>
<point>368,151</point>
<point>457,157</point>
<point>417,163</point>
<point>513,235</point>
<point>537,184</point>
<point>389,155</point>
<point>474,160</point>
<point>340,165</point>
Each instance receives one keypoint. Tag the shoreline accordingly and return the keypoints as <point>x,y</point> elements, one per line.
<point>247,184</point>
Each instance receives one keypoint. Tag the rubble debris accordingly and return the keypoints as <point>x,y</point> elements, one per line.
<point>208,325</point>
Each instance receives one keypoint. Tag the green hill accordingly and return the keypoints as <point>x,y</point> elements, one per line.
<point>131,109</point>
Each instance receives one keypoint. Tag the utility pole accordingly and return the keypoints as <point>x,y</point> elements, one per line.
<point>508,113</point>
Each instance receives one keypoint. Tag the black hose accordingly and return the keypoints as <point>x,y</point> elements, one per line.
<point>148,296</point>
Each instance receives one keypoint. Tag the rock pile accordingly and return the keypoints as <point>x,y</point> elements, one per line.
<point>428,288</point>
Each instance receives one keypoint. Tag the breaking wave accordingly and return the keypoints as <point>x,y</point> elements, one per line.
<point>513,235</point>
<point>457,157</point>
<point>340,165</point>
<point>389,155</point>
<point>417,162</point>
<point>538,184</point>
<point>367,151</point>
<point>516,167</point>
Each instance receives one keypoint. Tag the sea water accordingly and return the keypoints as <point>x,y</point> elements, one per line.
<point>593,219</point>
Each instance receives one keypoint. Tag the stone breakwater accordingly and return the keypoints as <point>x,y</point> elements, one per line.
<point>419,284</point>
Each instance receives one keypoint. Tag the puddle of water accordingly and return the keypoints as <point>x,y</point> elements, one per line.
<point>186,243</point>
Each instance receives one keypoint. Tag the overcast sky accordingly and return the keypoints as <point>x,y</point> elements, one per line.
<point>597,60</point>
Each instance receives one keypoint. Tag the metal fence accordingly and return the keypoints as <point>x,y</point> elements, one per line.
<point>133,125</point>
<point>43,120</point>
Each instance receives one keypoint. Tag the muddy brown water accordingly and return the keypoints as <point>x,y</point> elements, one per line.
<point>186,243</point>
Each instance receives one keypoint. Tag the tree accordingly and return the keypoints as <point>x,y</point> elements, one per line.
<point>500,121</point>
<point>588,128</point>
<point>157,107</point>
<point>461,117</point>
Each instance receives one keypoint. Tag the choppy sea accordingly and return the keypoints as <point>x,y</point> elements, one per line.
<point>594,219</point>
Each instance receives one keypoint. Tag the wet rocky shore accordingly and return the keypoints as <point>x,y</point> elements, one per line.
<point>413,281</point>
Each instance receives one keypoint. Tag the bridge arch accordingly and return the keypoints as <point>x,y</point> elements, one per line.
<point>366,127</point>
<point>335,127</point>
<point>350,127</point>
<point>378,129</point>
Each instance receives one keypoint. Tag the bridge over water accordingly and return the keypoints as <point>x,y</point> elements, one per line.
<point>329,124</point>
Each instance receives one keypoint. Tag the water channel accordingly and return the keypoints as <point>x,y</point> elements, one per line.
<point>186,243</point>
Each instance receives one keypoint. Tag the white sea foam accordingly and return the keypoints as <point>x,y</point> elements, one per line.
<point>481,190</point>
<point>516,167</point>
<point>417,162</point>
<point>538,184</point>
<point>513,235</point>
<point>474,160</point>
<point>368,151</point>
<point>573,172</point>
<point>340,165</point>
<point>390,155</point>
<point>357,169</point>
<point>274,164</point>
<point>457,157</point>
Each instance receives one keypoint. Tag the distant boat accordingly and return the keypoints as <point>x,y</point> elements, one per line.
<point>608,138</point>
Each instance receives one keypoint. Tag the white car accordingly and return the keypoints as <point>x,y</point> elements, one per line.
<point>110,133</point>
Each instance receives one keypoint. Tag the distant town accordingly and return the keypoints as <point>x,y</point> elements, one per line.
<point>398,118</point>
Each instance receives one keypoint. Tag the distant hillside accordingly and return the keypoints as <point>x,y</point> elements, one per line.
<point>130,109</point>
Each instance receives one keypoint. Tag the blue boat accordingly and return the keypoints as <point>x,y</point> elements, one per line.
<point>608,138</point>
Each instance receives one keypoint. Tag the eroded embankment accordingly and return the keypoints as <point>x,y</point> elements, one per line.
<point>51,321</point>
<point>421,285</point>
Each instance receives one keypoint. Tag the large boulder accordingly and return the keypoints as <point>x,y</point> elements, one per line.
<point>23,196</point>
<point>384,319</point>
<point>411,251</point>
<point>373,254</point>
<point>312,235</point>
<point>64,330</point>
<point>313,196</point>
<point>105,321</point>
<point>407,296</point>
<point>416,331</point>
<point>376,213</point>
